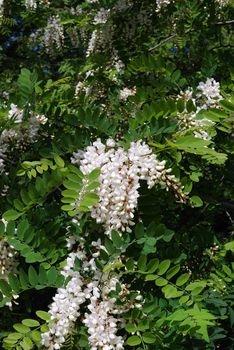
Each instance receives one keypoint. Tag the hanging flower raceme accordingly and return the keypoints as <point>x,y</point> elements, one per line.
<point>92,285</point>
<point>53,35</point>
<point>64,309</point>
<point>121,172</point>
<point>8,262</point>
<point>207,95</point>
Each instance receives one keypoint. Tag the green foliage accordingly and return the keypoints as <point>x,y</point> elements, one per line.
<point>140,82</point>
<point>79,195</point>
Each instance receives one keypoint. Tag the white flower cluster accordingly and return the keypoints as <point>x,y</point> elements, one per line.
<point>100,320</point>
<point>223,2</point>
<point>64,310</point>
<point>210,91</point>
<point>8,262</point>
<point>3,150</point>
<point>101,17</point>
<point>207,96</point>
<point>1,7</point>
<point>92,285</point>
<point>121,172</point>
<point>53,35</point>
<point>20,136</point>
<point>100,38</point>
<point>15,113</point>
<point>126,92</point>
<point>31,4</point>
<point>161,3</point>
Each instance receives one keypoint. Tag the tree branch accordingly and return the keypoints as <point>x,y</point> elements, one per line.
<point>162,42</point>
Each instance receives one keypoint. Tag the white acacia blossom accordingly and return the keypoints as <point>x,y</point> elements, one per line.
<point>8,262</point>
<point>92,285</point>
<point>64,309</point>
<point>31,4</point>
<point>223,2</point>
<point>1,7</point>
<point>210,92</point>
<point>121,172</point>
<point>53,35</point>
<point>207,95</point>
<point>126,92</point>
<point>15,113</point>
<point>162,3</point>
<point>20,136</point>
<point>3,149</point>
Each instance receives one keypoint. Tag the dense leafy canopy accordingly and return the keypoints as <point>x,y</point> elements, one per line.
<point>116,165</point>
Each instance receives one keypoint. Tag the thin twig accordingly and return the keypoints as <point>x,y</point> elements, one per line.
<point>223,23</point>
<point>162,42</point>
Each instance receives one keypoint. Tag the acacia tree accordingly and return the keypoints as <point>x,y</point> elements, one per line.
<point>116,155</point>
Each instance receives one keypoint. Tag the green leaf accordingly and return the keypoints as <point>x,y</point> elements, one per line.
<point>109,246</point>
<point>22,228</point>
<point>181,280</point>
<point>75,178</point>
<point>26,343</point>
<point>227,270</point>
<point>43,280</point>
<point>151,277</point>
<point>67,207</point>
<point>134,340</point>
<point>141,263</point>
<point>167,237</point>
<point>196,201</point>
<point>71,185</point>
<point>172,271</point>
<point>197,284</point>
<point>130,264</point>
<point>116,239</point>
<point>139,230</point>
<point>89,200</point>
<point>227,105</point>
<point>30,323</point>
<point>148,338</point>
<point>191,142</point>
<point>183,299</point>
<point>10,229</point>
<point>36,336</point>
<point>32,276</point>
<point>11,215</point>
<point>2,228</point>
<point>15,336</point>
<point>5,288</point>
<point>70,194</point>
<point>130,327</point>
<point>94,174</point>
<point>59,161</point>
<point>160,281</point>
<point>152,265</point>
<point>171,292</point>
<point>23,279</point>
<point>19,327</point>
<point>52,275</point>
<point>14,282</point>
<point>163,266</point>
<point>93,186</point>
<point>43,315</point>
